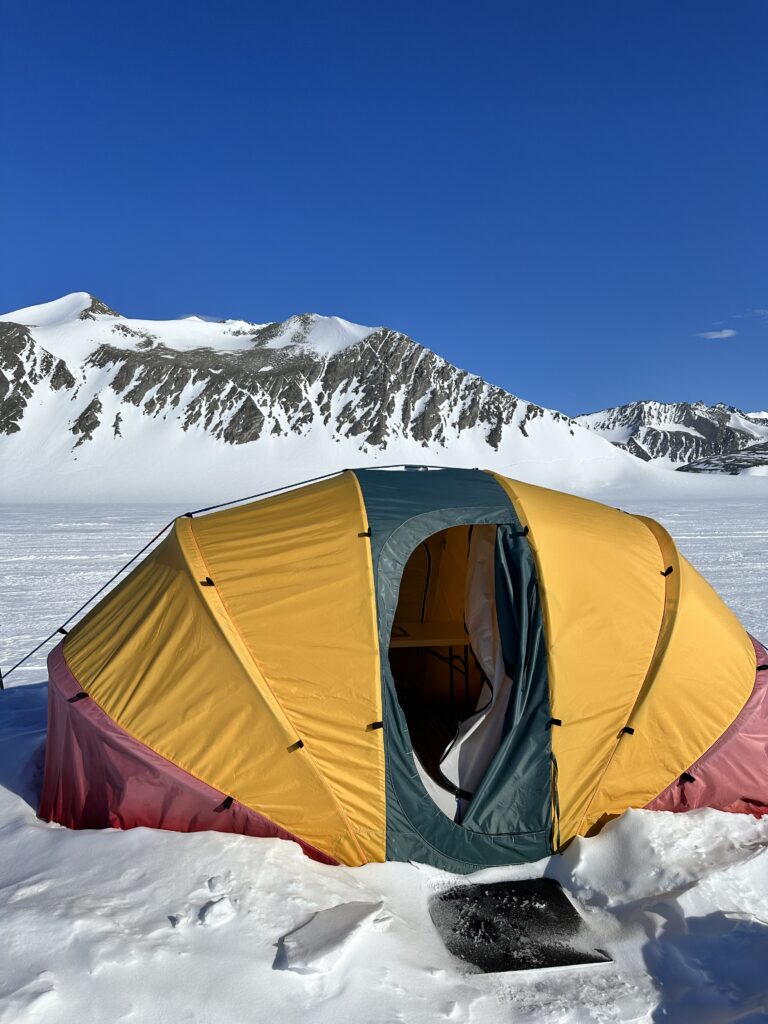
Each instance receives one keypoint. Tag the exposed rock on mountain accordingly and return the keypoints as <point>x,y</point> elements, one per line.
<point>678,433</point>
<point>753,460</point>
<point>83,388</point>
<point>95,405</point>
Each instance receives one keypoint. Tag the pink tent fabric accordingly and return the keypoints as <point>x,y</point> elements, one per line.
<point>97,776</point>
<point>733,774</point>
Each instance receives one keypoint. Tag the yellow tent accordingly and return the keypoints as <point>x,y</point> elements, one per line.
<point>446,666</point>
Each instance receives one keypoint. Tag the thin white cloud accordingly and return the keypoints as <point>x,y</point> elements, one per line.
<point>762,313</point>
<point>727,332</point>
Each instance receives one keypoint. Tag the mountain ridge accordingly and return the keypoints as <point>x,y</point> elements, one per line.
<point>89,397</point>
<point>97,405</point>
<point>678,434</point>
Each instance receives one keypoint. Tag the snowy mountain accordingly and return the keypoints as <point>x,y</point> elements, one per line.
<point>681,434</point>
<point>97,405</point>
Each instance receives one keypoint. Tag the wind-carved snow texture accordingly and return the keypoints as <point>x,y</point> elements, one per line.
<point>101,927</point>
<point>681,435</point>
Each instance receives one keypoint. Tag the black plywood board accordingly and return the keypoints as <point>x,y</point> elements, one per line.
<point>513,926</point>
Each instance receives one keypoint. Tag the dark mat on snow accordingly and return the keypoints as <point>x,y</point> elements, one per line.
<point>513,926</point>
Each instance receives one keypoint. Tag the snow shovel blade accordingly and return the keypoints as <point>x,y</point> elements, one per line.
<point>513,926</point>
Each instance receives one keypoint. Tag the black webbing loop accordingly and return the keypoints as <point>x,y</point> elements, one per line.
<point>375,725</point>
<point>762,668</point>
<point>207,582</point>
<point>296,746</point>
<point>64,632</point>
<point>687,777</point>
<point>555,721</point>
<point>628,730</point>
<point>667,571</point>
<point>225,804</point>
<point>78,696</point>
<point>366,533</point>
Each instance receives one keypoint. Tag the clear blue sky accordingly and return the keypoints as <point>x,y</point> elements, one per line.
<point>558,196</point>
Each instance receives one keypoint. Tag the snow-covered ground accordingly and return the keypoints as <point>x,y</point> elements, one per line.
<point>152,927</point>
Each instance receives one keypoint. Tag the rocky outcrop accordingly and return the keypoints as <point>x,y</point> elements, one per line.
<point>23,366</point>
<point>380,388</point>
<point>678,433</point>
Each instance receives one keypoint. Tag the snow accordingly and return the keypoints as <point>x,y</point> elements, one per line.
<point>196,463</point>
<point>319,945</point>
<point>148,926</point>
<point>192,466</point>
<point>607,425</point>
<point>50,314</point>
<point>101,927</point>
<point>747,424</point>
<point>327,335</point>
<point>617,433</point>
<point>58,328</point>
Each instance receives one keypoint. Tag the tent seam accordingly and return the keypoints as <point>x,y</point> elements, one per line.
<point>381,747</point>
<point>183,768</point>
<point>738,721</point>
<point>651,673</point>
<point>321,777</point>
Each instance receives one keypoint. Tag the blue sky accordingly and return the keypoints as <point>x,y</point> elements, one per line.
<point>562,197</point>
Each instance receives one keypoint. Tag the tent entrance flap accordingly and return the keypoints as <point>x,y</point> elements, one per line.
<point>470,674</point>
<point>438,679</point>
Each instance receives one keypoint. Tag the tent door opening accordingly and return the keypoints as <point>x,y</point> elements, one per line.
<point>448,664</point>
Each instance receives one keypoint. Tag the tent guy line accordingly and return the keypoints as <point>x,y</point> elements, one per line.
<point>196,512</point>
<point>465,635</point>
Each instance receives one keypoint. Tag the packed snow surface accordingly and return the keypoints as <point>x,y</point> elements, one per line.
<point>151,927</point>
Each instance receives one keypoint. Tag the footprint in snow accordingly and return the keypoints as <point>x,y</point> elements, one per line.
<point>212,913</point>
<point>216,912</point>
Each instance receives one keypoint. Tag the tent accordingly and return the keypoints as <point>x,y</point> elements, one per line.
<point>446,666</point>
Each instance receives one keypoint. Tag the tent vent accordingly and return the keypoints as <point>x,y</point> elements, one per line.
<point>207,582</point>
<point>296,746</point>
